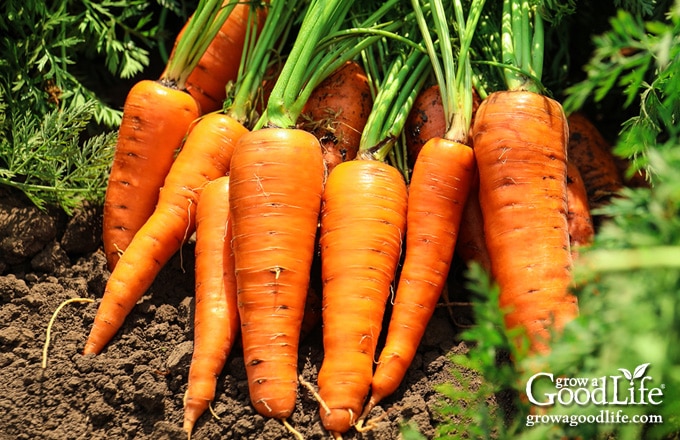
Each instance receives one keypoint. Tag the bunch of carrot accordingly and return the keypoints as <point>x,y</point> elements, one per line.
<point>320,165</point>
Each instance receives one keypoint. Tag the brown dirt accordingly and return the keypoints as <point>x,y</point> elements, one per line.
<point>134,389</point>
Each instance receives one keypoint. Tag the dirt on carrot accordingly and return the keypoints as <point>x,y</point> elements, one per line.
<point>591,154</point>
<point>337,111</point>
<point>425,121</point>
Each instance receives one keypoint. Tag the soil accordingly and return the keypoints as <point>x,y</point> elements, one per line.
<point>134,389</point>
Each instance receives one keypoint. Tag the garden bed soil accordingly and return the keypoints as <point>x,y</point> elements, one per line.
<point>134,389</point>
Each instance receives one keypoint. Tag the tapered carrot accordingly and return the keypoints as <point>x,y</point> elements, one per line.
<point>216,320</point>
<point>144,154</point>
<point>590,153</point>
<point>337,111</point>
<point>275,197</point>
<point>580,221</point>
<point>362,226</point>
<point>205,156</point>
<point>520,142</point>
<point>439,187</point>
<point>220,62</point>
<point>520,139</point>
<point>156,118</point>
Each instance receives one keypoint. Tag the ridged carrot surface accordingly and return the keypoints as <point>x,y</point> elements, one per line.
<point>216,320</point>
<point>155,120</point>
<point>205,156</point>
<point>520,143</point>
<point>275,197</point>
<point>362,228</point>
<point>438,190</point>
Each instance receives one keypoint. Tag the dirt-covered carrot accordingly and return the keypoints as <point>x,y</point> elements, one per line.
<point>591,154</point>
<point>581,229</point>
<point>425,121</point>
<point>205,156</point>
<point>156,118</point>
<point>337,111</point>
<point>520,140</point>
<point>362,226</point>
<point>216,320</point>
<point>219,64</point>
<point>438,190</point>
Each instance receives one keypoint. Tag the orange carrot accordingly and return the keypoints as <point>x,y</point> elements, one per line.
<point>275,197</point>
<point>205,156</point>
<point>156,117</point>
<point>581,229</point>
<point>216,320</point>
<point>220,63</point>
<point>439,188</point>
<point>591,154</point>
<point>362,227</point>
<point>337,111</point>
<point>440,183</point>
<point>520,142</point>
<point>143,157</point>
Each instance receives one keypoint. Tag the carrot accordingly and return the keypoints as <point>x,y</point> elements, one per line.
<point>275,198</point>
<point>205,156</point>
<point>156,118</point>
<point>337,111</point>
<point>520,140</point>
<point>144,154</point>
<point>427,120</point>
<point>439,187</point>
<point>220,62</point>
<point>581,229</point>
<point>216,320</point>
<point>277,179</point>
<point>591,154</point>
<point>362,225</point>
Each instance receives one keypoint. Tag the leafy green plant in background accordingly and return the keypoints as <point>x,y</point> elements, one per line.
<point>627,282</point>
<point>59,61</point>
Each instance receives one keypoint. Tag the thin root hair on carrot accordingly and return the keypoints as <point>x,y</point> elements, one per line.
<point>364,424</point>
<point>212,411</point>
<point>297,434</point>
<point>51,323</point>
<point>315,394</point>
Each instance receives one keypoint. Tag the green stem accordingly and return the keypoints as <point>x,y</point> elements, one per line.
<point>321,16</point>
<point>392,104</point>
<point>257,57</point>
<point>202,28</point>
<point>522,45</point>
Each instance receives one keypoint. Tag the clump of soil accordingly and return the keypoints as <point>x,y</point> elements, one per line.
<point>134,389</point>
